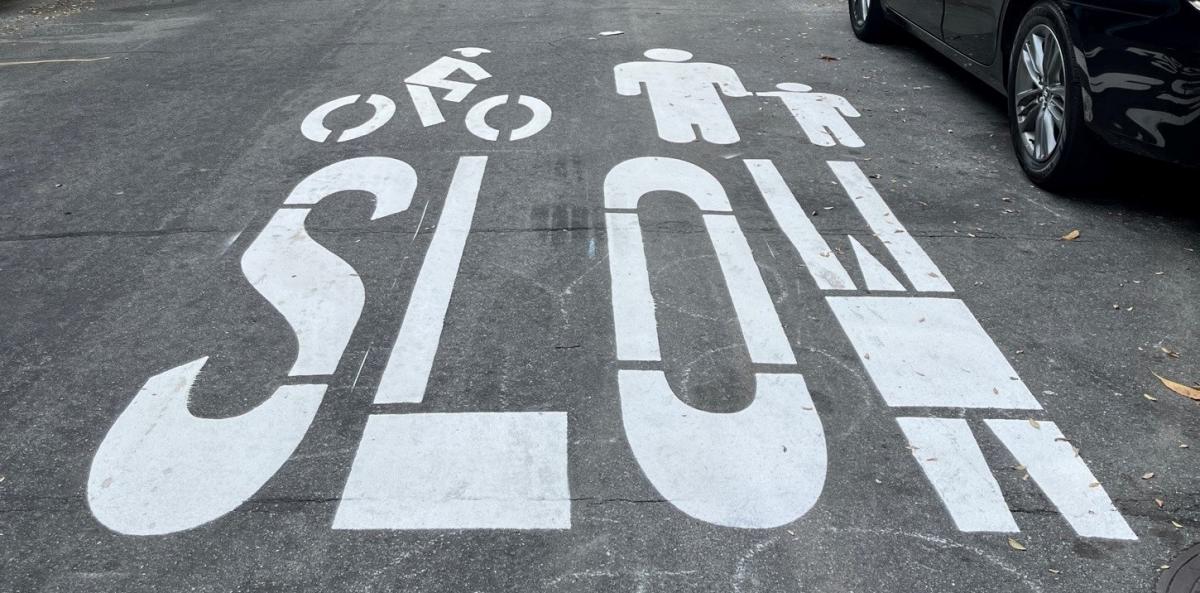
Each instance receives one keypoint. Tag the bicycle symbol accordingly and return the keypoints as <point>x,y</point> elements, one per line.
<point>437,75</point>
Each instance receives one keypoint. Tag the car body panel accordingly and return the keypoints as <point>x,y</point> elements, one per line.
<point>1138,63</point>
<point>924,14</point>
<point>1141,94</point>
<point>970,26</point>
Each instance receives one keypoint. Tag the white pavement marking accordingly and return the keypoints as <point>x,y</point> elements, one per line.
<point>1063,477</point>
<point>426,105</point>
<point>761,328</point>
<point>318,293</point>
<point>541,118</point>
<point>625,185</point>
<point>636,328</point>
<point>390,181</point>
<point>160,470</point>
<point>437,75</point>
<point>761,467</point>
<point>683,94</point>
<point>950,457</point>
<point>822,264</point>
<point>384,110</point>
<point>922,351</point>
<point>459,471</point>
<point>476,119</point>
<point>921,271</point>
<point>821,115</point>
<point>875,275</point>
<point>471,52</point>
<point>313,126</point>
<point>407,372</point>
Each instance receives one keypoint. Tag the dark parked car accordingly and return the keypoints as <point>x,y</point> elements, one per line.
<point>1080,76</point>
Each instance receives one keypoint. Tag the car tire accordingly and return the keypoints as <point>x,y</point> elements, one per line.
<point>868,21</point>
<point>1056,149</point>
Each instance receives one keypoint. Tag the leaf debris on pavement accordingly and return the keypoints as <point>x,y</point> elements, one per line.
<point>1188,392</point>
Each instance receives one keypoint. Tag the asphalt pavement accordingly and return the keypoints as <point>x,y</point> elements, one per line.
<point>492,296</point>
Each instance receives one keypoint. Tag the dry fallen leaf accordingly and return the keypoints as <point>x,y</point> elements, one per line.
<point>1150,397</point>
<point>1169,352</point>
<point>1180,388</point>
<point>1071,236</point>
<point>829,58</point>
<point>1035,424</point>
<point>1094,485</point>
<point>1016,545</point>
<point>1159,502</point>
<point>1177,524</point>
<point>1053,571</point>
<point>1147,475</point>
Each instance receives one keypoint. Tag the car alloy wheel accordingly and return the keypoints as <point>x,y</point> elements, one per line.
<point>1040,93</point>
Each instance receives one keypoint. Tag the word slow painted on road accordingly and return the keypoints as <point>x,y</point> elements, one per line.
<point>161,470</point>
<point>921,347</point>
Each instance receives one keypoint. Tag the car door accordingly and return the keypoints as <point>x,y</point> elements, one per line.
<point>971,27</point>
<point>926,14</point>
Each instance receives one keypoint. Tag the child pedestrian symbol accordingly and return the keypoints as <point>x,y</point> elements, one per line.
<point>683,95</point>
<point>820,115</point>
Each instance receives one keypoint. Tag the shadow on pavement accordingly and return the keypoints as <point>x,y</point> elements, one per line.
<point>1130,182</point>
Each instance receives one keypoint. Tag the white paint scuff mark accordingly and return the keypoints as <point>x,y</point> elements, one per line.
<point>55,61</point>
